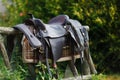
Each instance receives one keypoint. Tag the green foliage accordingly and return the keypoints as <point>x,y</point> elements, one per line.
<point>99,77</point>
<point>6,74</point>
<point>103,17</point>
<point>106,77</point>
<point>42,72</point>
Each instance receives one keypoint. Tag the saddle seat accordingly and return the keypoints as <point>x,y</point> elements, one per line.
<point>53,31</point>
<point>54,28</point>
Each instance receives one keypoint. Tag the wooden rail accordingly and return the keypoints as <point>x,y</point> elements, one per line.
<point>7,30</point>
<point>3,32</point>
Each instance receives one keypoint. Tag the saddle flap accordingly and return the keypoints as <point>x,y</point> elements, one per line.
<point>57,47</point>
<point>76,33</point>
<point>34,42</point>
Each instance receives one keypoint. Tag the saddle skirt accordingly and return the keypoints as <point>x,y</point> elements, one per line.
<point>34,42</point>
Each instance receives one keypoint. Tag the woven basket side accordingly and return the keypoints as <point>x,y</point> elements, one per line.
<point>28,55</point>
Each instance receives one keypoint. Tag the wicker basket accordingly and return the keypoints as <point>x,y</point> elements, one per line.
<point>28,54</point>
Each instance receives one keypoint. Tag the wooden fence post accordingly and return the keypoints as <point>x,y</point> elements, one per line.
<point>4,52</point>
<point>5,31</point>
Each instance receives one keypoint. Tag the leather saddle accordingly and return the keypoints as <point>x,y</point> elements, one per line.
<point>54,33</point>
<point>54,28</point>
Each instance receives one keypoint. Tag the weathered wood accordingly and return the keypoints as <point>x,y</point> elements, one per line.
<point>4,52</point>
<point>8,30</point>
<point>68,72</point>
<point>90,62</point>
<point>85,67</point>
<point>67,58</point>
<point>85,77</point>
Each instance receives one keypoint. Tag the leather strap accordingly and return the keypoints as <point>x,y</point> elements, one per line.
<point>78,37</point>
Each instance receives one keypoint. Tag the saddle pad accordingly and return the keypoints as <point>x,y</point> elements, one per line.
<point>34,42</point>
<point>53,31</point>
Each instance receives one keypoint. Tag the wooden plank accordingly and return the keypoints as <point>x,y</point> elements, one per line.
<point>85,77</point>
<point>67,58</point>
<point>8,30</point>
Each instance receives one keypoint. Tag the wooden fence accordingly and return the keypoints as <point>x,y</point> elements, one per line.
<point>4,31</point>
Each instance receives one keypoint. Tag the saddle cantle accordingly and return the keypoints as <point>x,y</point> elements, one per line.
<point>53,31</point>
<point>60,19</point>
<point>54,28</point>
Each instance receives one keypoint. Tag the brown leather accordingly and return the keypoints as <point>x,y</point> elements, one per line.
<point>60,19</point>
<point>34,42</point>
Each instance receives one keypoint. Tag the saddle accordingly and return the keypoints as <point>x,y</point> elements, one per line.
<point>54,33</point>
<point>54,28</point>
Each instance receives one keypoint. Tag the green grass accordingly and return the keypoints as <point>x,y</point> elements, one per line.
<point>114,76</point>
<point>98,77</point>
